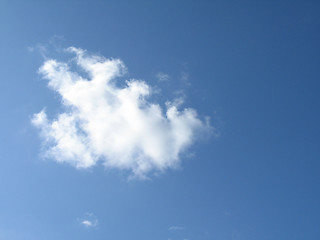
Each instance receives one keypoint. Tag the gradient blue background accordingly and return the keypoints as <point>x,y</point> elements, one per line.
<point>253,67</point>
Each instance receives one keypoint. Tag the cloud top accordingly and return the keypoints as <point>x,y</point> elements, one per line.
<point>115,125</point>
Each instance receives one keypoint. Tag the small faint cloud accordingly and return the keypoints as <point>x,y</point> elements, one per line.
<point>176,228</point>
<point>40,48</point>
<point>162,77</point>
<point>226,213</point>
<point>180,93</point>
<point>88,223</point>
<point>185,78</point>
<point>88,220</point>
<point>184,75</point>
<point>176,102</point>
<point>55,43</point>
<point>30,49</point>
<point>57,40</point>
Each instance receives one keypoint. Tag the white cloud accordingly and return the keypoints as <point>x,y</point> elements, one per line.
<point>176,228</point>
<point>162,76</point>
<point>88,220</point>
<point>88,223</point>
<point>115,125</point>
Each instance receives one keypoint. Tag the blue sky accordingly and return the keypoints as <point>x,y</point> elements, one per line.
<point>252,67</point>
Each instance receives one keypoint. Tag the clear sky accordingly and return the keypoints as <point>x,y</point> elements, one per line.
<point>158,120</point>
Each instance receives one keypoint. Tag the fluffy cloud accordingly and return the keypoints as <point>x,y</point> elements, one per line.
<point>115,125</point>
